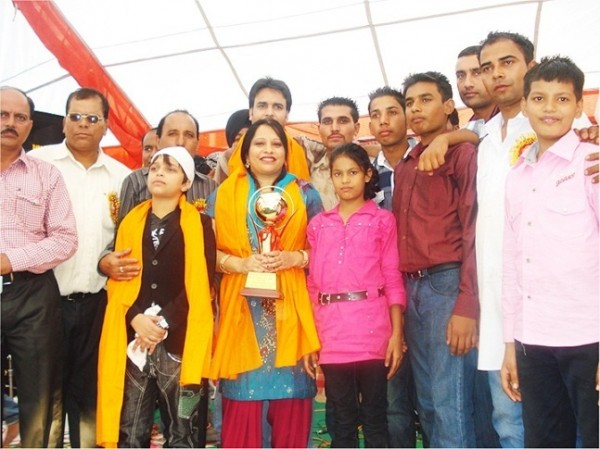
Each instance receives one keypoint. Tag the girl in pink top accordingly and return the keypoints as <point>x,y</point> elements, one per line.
<point>358,298</point>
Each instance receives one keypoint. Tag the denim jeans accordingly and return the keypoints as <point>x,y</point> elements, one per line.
<point>342,383</point>
<point>507,415</point>
<point>485,433</point>
<point>558,387</point>
<point>183,410</point>
<point>444,383</point>
<point>401,407</point>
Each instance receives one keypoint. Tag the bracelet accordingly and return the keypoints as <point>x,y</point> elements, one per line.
<point>222,264</point>
<point>304,258</point>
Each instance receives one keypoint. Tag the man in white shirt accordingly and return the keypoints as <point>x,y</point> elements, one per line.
<point>504,59</point>
<point>93,181</point>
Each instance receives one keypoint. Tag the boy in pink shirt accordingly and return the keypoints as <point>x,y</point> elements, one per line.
<point>551,267</point>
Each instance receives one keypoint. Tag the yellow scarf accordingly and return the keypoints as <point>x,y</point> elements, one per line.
<point>295,163</point>
<point>122,294</point>
<point>237,347</point>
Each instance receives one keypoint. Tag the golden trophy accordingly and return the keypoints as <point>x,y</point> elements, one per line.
<point>271,209</point>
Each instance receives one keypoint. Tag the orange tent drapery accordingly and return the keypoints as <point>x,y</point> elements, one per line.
<point>73,54</point>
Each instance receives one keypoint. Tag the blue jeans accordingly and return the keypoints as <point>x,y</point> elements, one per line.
<point>485,434</point>
<point>444,383</point>
<point>183,410</point>
<point>507,415</point>
<point>401,407</point>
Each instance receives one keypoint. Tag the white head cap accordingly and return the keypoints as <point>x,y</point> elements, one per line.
<point>182,156</point>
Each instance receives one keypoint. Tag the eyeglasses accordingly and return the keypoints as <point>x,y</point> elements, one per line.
<point>92,119</point>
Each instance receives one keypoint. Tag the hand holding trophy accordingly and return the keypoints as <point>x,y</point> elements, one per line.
<point>268,208</point>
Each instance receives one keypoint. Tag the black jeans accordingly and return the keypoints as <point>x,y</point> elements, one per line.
<point>558,387</point>
<point>183,410</point>
<point>343,382</point>
<point>32,333</point>
<point>82,325</point>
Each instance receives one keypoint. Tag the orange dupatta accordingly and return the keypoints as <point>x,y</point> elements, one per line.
<point>295,162</point>
<point>237,348</point>
<point>122,294</point>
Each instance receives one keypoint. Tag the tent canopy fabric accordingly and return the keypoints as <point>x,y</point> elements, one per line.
<point>204,55</point>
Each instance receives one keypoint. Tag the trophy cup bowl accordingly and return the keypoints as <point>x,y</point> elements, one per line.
<point>270,206</point>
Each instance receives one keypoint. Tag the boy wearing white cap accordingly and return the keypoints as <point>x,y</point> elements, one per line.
<point>157,334</point>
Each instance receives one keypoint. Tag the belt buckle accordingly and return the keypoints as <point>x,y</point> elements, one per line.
<point>325,298</point>
<point>419,274</point>
<point>11,278</point>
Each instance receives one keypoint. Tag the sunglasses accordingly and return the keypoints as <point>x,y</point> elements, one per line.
<point>92,119</point>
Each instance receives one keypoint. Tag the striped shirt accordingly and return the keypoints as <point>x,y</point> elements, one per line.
<point>38,225</point>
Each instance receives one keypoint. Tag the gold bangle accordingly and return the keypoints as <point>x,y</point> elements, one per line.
<point>222,264</point>
<point>304,258</point>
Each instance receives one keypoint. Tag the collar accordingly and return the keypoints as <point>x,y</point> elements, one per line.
<point>369,208</point>
<point>563,148</point>
<point>63,152</point>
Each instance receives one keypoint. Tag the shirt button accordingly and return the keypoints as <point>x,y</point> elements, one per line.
<point>153,286</point>
<point>528,223</point>
<point>155,262</point>
<point>533,190</point>
<point>528,296</point>
<point>403,237</point>
<point>527,260</point>
<point>405,210</point>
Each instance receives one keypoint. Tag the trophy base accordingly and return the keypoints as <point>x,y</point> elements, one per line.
<point>261,285</point>
<point>261,293</point>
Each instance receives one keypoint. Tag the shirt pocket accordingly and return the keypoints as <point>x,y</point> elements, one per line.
<point>566,217</point>
<point>29,212</point>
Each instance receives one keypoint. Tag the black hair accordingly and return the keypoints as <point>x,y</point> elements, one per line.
<point>442,83</point>
<point>235,123</point>
<point>270,83</point>
<point>519,40</point>
<point>161,124</point>
<point>555,68</point>
<point>454,118</point>
<point>249,136</point>
<point>86,92</point>
<point>29,100</point>
<point>472,50</point>
<point>387,91</point>
<point>339,101</point>
<point>359,155</point>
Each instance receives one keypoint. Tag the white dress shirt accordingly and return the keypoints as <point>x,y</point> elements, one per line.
<point>89,190</point>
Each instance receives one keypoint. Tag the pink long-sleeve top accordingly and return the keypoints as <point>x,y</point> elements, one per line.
<point>359,255</point>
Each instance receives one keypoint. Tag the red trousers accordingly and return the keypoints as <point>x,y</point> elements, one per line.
<point>290,420</point>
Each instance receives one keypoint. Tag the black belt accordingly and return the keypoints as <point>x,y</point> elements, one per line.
<point>431,270</point>
<point>78,296</point>
<point>327,298</point>
<point>17,276</point>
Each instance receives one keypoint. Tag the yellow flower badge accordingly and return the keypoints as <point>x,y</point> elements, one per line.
<point>199,204</point>
<point>522,143</point>
<point>113,206</point>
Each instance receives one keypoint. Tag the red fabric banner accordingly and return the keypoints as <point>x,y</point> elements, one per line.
<point>125,121</point>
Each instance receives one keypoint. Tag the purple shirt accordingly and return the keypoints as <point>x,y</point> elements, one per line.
<point>551,259</point>
<point>359,255</point>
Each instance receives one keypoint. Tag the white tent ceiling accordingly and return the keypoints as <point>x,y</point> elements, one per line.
<point>204,55</point>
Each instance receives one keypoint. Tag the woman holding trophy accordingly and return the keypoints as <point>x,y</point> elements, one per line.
<point>266,324</point>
